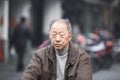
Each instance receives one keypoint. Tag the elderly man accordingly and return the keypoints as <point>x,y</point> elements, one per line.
<point>61,60</point>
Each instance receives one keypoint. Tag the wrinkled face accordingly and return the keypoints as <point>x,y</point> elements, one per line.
<point>59,35</point>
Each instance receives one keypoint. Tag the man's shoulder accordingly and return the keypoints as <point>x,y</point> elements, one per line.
<point>41,51</point>
<point>77,49</point>
<point>81,52</point>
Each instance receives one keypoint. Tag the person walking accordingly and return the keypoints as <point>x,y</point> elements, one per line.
<point>21,34</point>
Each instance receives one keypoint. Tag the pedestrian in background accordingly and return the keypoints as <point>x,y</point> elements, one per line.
<point>21,34</point>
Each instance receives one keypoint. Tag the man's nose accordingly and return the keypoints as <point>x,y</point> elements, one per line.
<point>57,38</point>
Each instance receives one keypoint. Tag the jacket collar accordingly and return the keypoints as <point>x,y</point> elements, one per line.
<point>72,53</point>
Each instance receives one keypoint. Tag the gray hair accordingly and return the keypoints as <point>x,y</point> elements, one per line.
<point>66,21</point>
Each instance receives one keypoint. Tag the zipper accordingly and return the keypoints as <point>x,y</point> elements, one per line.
<point>66,69</point>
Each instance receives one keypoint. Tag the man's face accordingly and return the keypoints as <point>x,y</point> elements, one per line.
<point>59,35</point>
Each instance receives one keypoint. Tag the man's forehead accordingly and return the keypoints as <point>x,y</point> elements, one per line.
<point>61,24</point>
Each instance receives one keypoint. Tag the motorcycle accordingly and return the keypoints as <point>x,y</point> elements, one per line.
<point>96,49</point>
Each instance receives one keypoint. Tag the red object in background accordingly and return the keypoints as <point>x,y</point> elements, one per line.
<point>80,38</point>
<point>44,43</point>
<point>100,53</point>
<point>109,45</point>
<point>1,52</point>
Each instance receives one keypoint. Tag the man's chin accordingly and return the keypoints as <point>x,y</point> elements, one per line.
<point>58,48</point>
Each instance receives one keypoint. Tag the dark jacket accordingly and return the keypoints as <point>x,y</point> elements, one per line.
<point>21,34</point>
<point>43,65</point>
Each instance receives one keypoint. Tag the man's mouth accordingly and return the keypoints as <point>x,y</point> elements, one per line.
<point>57,45</point>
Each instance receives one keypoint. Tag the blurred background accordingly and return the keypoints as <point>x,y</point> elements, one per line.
<point>96,28</point>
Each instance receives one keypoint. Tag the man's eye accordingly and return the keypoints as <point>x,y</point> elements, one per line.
<point>53,33</point>
<point>62,34</point>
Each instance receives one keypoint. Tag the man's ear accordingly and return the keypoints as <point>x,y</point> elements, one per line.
<point>70,36</point>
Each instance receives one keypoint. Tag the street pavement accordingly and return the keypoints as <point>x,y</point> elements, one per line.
<point>8,69</point>
<point>108,74</point>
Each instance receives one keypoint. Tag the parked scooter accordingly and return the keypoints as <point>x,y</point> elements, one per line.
<point>108,41</point>
<point>96,49</point>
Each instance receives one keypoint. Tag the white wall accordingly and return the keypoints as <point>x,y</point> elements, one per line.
<point>52,11</point>
<point>21,8</point>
